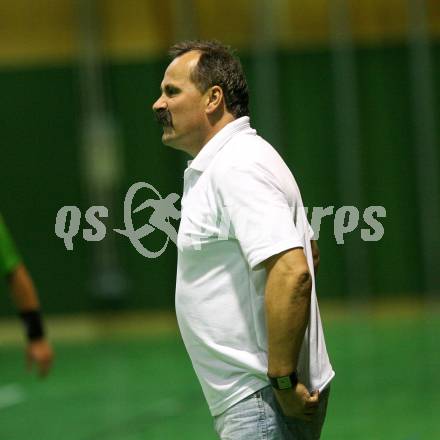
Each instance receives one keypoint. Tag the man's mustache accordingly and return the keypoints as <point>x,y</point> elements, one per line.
<point>163,117</point>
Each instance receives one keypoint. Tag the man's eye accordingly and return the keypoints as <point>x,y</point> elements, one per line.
<point>172,91</point>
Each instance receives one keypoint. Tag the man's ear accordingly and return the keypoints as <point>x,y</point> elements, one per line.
<point>215,98</point>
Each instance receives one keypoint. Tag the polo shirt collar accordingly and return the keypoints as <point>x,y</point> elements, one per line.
<point>215,144</point>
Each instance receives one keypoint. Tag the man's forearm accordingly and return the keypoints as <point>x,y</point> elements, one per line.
<point>287,313</point>
<point>23,290</point>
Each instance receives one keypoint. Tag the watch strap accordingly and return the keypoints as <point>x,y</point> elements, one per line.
<point>284,382</point>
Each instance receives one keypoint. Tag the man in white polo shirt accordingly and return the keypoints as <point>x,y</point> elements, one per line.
<point>245,291</point>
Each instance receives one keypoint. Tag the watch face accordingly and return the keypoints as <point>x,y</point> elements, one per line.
<point>284,382</point>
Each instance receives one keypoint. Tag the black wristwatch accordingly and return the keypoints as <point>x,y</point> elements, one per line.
<point>284,382</point>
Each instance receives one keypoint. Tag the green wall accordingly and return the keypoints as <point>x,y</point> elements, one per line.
<point>40,120</point>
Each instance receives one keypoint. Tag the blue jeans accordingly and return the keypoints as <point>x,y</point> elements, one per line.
<point>259,417</point>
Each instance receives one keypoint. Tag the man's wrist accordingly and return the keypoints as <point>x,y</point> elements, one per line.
<point>33,324</point>
<point>284,382</point>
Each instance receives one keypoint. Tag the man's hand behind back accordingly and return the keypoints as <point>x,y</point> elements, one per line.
<point>298,402</point>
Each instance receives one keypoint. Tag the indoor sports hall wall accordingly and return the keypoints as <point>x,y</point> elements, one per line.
<point>41,112</point>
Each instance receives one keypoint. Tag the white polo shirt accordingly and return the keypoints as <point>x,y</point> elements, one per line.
<point>240,206</point>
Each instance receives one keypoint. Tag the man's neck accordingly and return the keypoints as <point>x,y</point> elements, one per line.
<point>228,118</point>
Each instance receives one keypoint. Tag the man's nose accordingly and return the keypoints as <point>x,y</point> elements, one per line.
<point>159,104</point>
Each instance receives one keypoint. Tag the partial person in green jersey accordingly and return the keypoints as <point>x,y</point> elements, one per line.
<point>38,350</point>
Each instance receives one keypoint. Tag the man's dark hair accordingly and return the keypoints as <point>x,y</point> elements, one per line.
<point>217,65</point>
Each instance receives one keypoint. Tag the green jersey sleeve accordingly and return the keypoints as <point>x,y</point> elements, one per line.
<point>9,257</point>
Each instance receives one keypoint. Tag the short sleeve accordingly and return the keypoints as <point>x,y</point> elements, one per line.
<point>9,257</point>
<point>258,212</point>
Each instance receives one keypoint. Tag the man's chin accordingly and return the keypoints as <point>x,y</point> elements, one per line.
<point>166,131</point>
<point>169,139</point>
<point>167,136</point>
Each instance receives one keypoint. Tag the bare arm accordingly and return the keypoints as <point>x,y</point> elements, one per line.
<point>22,288</point>
<point>287,301</point>
<point>25,297</point>
<point>287,309</point>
